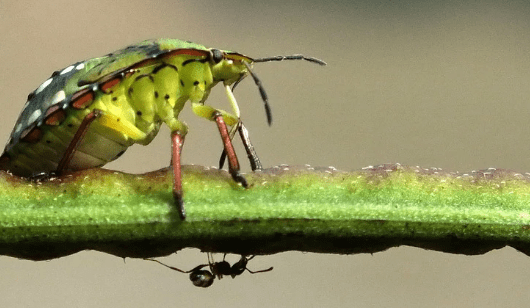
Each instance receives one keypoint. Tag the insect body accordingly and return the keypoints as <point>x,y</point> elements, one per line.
<point>89,113</point>
<point>204,278</point>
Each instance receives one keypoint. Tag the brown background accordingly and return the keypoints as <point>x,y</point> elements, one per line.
<point>415,82</point>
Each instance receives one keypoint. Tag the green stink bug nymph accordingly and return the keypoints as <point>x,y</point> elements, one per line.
<point>90,112</point>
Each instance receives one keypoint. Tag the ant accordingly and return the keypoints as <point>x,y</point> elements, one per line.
<point>204,278</point>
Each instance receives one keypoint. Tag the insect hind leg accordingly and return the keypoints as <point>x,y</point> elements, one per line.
<point>177,141</point>
<point>76,141</point>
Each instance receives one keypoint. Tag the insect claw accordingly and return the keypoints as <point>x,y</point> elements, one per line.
<point>239,178</point>
<point>179,204</point>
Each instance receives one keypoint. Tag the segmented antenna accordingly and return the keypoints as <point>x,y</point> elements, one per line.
<point>262,92</point>
<point>291,57</point>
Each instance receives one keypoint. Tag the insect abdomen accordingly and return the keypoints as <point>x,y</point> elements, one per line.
<point>134,103</point>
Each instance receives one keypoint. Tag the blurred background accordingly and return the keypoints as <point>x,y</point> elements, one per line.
<point>429,83</point>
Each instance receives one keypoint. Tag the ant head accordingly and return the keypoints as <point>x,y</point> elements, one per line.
<point>240,266</point>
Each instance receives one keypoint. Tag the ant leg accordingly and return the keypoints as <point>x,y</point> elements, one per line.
<point>260,271</point>
<point>254,272</point>
<point>178,269</point>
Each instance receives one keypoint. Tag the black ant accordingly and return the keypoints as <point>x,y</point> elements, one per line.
<point>204,278</point>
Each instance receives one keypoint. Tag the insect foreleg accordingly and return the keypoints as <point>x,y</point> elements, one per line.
<point>232,100</point>
<point>209,112</point>
<point>255,163</point>
<point>233,163</point>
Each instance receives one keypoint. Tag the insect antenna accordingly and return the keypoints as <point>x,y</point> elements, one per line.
<point>262,92</point>
<point>291,57</point>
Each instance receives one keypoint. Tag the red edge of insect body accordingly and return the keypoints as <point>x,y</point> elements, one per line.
<point>82,99</point>
<point>106,85</point>
<point>178,52</point>
<point>55,115</point>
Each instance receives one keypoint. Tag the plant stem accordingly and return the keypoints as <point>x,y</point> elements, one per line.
<point>322,210</point>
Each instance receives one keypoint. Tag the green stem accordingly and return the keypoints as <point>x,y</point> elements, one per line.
<point>322,210</point>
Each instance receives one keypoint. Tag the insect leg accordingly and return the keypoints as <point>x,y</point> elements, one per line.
<point>231,134</point>
<point>255,163</point>
<point>252,156</point>
<point>177,141</point>
<point>105,119</point>
<point>198,267</point>
<point>254,272</point>
<point>260,271</point>
<point>233,163</point>
<point>76,141</point>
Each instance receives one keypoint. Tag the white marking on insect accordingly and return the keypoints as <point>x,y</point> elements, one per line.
<point>18,128</point>
<point>80,66</point>
<point>34,116</point>
<point>67,70</point>
<point>58,97</point>
<point>26,105</point>
<point>43,85</point>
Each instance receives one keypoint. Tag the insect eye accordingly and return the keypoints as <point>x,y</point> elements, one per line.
<point>216,55</point>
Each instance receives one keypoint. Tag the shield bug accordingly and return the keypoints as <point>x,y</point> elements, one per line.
<point>90,112</point>
<point>205,278</point>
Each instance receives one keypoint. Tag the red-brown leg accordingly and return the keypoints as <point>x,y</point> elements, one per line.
<point>76,141</point>
<point>233,163</point>
<point>177,141</point>
<point>253,158</point>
